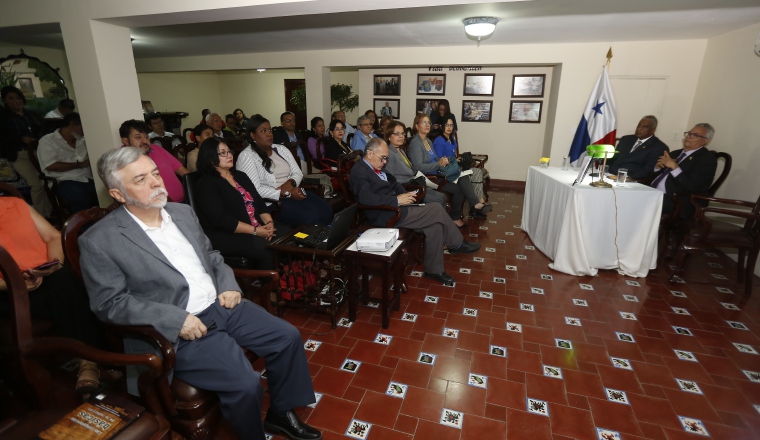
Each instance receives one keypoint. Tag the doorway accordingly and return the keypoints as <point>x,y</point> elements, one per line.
<point>290,85</point>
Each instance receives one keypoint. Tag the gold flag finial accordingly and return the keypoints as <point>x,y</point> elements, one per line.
<point>609,57</point>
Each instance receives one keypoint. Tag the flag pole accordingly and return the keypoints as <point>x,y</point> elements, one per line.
<point>609,57</point>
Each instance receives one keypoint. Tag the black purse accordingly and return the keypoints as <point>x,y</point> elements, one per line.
<point>466,161</point>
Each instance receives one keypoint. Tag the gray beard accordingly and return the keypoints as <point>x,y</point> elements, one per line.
<point>154,204</point>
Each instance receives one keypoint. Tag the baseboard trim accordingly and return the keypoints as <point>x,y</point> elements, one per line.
<point>508,185</point>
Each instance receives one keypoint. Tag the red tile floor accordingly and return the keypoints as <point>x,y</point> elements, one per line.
<point>603,387</point>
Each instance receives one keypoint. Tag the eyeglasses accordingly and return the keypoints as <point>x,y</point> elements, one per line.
<point>400,133</point>
<point>288,120</point>
<point>224,153</point>
<point>383,158</point>
<point>449,125</point>
<point>365,124</point>
<point>691,135</point>
<point>339,129</point>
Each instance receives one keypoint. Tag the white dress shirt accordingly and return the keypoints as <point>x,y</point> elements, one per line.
<point>153,135</point>
<point>265,182</point>
<point>181,254</point>
<point>53,148</point>
<point>54,114</point>
<point>677,171</point>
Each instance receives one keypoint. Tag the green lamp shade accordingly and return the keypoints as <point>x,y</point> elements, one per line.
<point>601,151</point>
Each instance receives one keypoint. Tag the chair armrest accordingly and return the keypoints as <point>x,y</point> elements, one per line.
<point>251,273</point>
<point>392,221</point>
<point>724,201</point>
<point>149,334</point>
<point>730,212</point>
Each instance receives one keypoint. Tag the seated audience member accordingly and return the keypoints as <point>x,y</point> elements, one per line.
<point>384,121</point>
<point>201,133</point>
<point>204,114</point>
<point>157,125</point>
<point>402,169</point>
<point>692,170</point>
<point>317,132</point>
<point>63,156</point>
<point>214,121</point>
<point>149,263</point>
<point>335,145</point>
<point>440,115</point>
<point>445,145</point>
<point>288,136</point>
<point>639,152</point>
<point>373,186</point>
<point>65,106</point>
<point>233,215</point>
<point>242,120</point>
<point>361,137</point>
<point>232,126</point>
<point>276,175</point>
<point>373,119</point>
<point>341,116</point>
<point>424,159</point>
<point>135,133</point>
<point>20,130</point>
<point>55,294</point>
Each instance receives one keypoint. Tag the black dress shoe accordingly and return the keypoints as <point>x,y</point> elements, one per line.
<point>477,213</point>
<point>486,209</point>
<point>465,248</point>
<point>290,426</point>
<point>443,277</point>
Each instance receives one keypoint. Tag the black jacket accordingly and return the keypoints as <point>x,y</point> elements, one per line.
<point>641,162</point>
<point>697,174</point>
<point>371,190</point>
<point>220,205</point>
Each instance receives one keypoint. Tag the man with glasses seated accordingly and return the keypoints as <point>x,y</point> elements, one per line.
<point>373,187</point>
<point>288,135</point>
<point>360,139</point>
<point>691,169</point>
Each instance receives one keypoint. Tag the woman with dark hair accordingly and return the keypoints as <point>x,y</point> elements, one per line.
<point>373,119</point>
<point>445,145</point>
<point>384,121</point>
<point>440,115</point>
<point>232,213</point>
<point>317,132</point>
<point>335,145</point>
<point>242,121</point>
<point>276,175</point>
<point>19,130</point>
<point>424,159</point>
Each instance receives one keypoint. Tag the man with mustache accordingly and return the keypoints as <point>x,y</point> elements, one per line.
<point>149,263</point>
<point>135,133</point>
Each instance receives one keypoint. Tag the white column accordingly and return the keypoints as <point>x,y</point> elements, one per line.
<point>317,92</point>
<point>103,73</point>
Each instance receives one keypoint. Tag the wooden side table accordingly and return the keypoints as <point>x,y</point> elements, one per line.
<point>390,263</point>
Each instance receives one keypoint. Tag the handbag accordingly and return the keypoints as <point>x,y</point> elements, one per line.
<point>451,170</point>
<point>466,161</point>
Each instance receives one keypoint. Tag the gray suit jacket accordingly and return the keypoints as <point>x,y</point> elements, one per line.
<point>419,156</point>
<point>398,167</point>
<point>129,280</point>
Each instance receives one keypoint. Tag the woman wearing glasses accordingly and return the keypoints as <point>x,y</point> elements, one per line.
<point>276,175</point>
<point>401,168</point>
<point>335,145</point>
<point>232,213</point>
<point>424,158</point>
<point>445,145</point>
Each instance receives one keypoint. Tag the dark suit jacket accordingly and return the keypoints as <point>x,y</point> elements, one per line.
<point>641,162</point>
<point>220,205</point>
<point>697,174</point>
<point>281,136</point>
<point>371,190</point>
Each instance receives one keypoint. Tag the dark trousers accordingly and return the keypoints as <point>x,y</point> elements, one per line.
<point>438,229</point>
<point>310,211</point>
<point>80,195</point>
<point>216,363</point>
<point>247,245</point>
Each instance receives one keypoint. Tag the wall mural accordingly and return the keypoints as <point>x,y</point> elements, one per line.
<point>40,83</point>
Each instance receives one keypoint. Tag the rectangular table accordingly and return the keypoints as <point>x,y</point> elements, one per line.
<point>578,226</point>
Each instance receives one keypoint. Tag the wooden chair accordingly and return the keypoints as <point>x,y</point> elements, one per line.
<point>192,412</point>
<point>478,161</point>
<point>26,355</point>
<point>711,233</point>
<point>187,134</point>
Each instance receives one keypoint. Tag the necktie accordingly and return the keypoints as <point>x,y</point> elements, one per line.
<point>636,145</point>
<point>667,171</point>
<point>380,174</point>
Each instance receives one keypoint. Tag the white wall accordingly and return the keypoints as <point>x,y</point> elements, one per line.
<point>256,92</point>
<point>56,58</point>
<point>188,92</point>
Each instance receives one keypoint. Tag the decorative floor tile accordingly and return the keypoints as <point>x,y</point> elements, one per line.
<point>607,434</point>
<point>415,273</point>
<point>396,389</point>
<point>452,418</point>
<point>344,322</point>
<point>499,351</point>
<point>490,249</point>
<point>693,426</point>
<point>311,345</point>
<point>633,283</point>
<point>431,299</point>
<point>383,339</point>
<point>492,221</point>
<point>484,294</point>
<point>499,280</point>
<point>737,325</point>
<point>724,290</point>
<point>500,241</point>
<point>715,265</point>
<point>513,327</point>
<point>473,235</point>
<point>586,286</point>
<point>711,254</point>
<point>268,436</point>
<point>483,228</point>
<point>682,331</point>
<point>730,306</point>
<point>745,348</point>
<point>688,386</point>
<point>530,248</point>
<point>718,276</point>
<point>536,406</point>
<point>450,333</point>
<point>547,277</point>
<point>680,311</point>
<point>477,380</point>
<point>463,270</point>
<point>580,302</point>
<point>537,290</point>
<point>754,376</point>
<point>628,315</point>
<point>521,257</point>
<point>527,307</point>
<point>478,259</point>
<point>426,358</point>
<point>616,396</point>
<point>625,364</point>
<point>554,372</point>
<point>509,233</point>
<point>358,429</point>
<point>625,337</point>
<point>631,298</point>
<point>350,365</point>
<point>510,267</point>
<point>563,343</point>
<point>678,294</point>
<point>374,304</point>
<point>469,312</point>
<point>317,397</point>
<point>685,355</point>
<point>411,317</point>
<point>572,321</point>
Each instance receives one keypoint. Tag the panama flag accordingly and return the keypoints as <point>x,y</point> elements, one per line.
<point>597,124</point>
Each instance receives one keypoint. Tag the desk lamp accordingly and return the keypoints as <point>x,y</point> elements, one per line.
<point>598,152</point>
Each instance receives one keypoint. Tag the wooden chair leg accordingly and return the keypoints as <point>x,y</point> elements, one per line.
<point>680,262</point>
<point>751,261</point>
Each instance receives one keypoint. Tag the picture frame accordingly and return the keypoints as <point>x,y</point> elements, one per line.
<point>379,106</point>
<point>479,84</point>
<point>525,111</point>
<point>387,85</point>
<point>432,105</point>
<point>528,85</point>
<point>147,107</point>
<point>430,84</point>
<point>477,111</point>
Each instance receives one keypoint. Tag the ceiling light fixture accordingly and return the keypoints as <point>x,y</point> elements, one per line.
<point>261,70</point>
<point>480,26</point>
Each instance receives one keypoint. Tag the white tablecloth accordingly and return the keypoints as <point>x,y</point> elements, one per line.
<point>576,226</point>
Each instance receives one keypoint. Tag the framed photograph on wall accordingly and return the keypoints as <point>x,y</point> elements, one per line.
<point>430,84</point>
<point>477,111</point>
<point>528,85</point>
<point>427,106</point>
<point>525,111</point>
<point>478,85</point>
<point>388,85</point>
<point>387,107</point>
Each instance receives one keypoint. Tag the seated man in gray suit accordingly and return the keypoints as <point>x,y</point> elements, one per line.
<point>149,263</point>
<point>639,152</point>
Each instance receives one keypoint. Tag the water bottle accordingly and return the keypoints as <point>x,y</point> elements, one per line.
<point>564,163</point>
